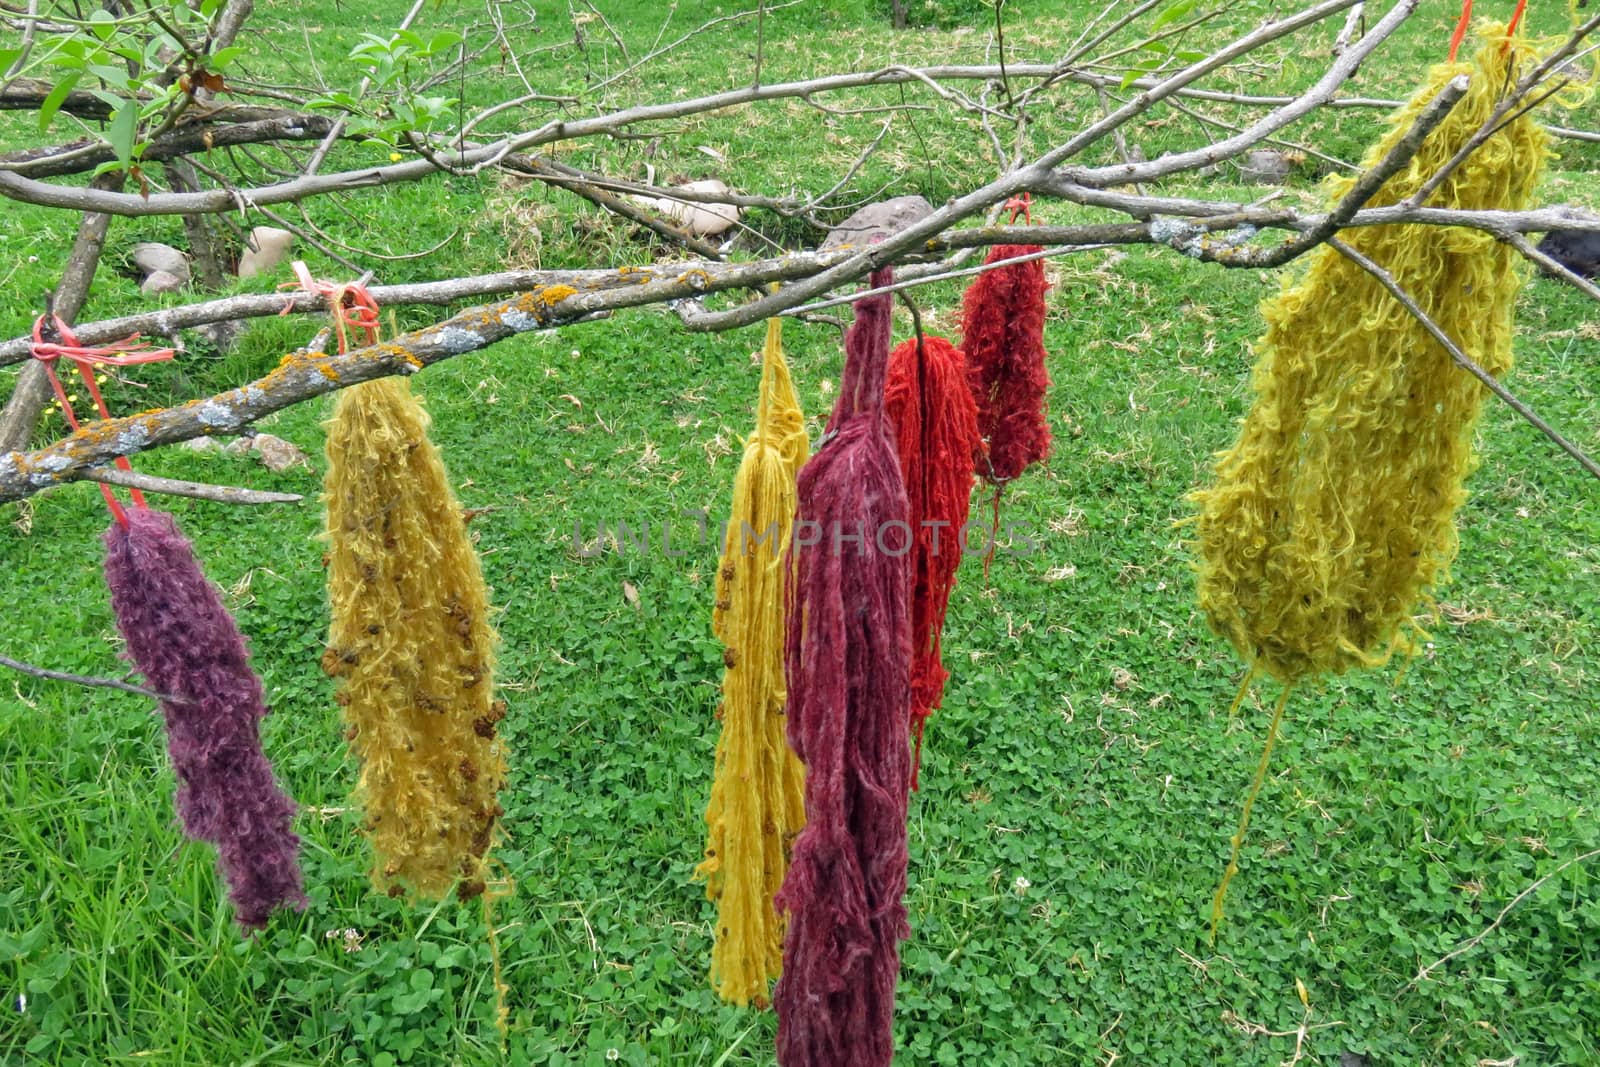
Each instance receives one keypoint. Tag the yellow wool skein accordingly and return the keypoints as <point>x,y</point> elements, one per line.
<point>1333,514</point>
<point>411,647</point>
<point>757,794</point>
<point>1332,517</point>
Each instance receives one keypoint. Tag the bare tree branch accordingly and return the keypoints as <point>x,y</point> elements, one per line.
<point>221,494</point>
<point>1466,362</point>
<point>81,679</point>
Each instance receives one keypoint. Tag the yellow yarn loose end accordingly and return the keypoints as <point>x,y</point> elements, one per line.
<point>757,804</point>
<point>1332,516</point>
<point>1237,841</point>
<point>411,647</point>
<point>1331,519</point>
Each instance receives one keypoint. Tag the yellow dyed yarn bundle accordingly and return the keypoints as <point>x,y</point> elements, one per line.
<point>1333,514</point>
<point>411,647</point>
<point>757,794</point>
<point>1332,517</point>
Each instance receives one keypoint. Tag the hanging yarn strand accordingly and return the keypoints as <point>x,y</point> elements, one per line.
<point>936,438</point>
<point>1002,335</point>
<point>1332,516</point>
<point>757,803</point>
<point>410,642</point>
<point>847,658</point>
<point>187,646</point>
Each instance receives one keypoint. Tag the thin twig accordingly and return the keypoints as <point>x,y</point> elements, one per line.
<point>1470,943</point>
<point>90,680</point>
<point>221,494</point>
<point>1531,252</point>
<point>1385,279</point>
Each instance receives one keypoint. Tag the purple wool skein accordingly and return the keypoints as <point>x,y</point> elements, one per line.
<point>847,658</point>
<point>188,647</point>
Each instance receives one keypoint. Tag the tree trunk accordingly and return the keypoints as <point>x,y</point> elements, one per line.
<point>202,242</point>
<point>28,399</point>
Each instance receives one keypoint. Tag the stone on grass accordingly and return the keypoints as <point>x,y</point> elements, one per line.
<point>152,257</point>
<point>1264,166</point>
<point>878,220</point>
<point>276,453</point>
<point>161,282</point>
<point>268,246</point>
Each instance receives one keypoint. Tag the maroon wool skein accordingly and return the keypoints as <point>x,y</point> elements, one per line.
<point>847,654</point>
<point>188,647</point>
<point>936,437</point>
<point>1002,335</point>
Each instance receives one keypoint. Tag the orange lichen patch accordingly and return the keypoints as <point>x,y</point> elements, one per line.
<point>554,294</point>
<point>328,372</point>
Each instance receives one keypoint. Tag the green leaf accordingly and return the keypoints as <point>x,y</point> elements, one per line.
<point>117,77</point>
<point>123,129</point>
<point>442,40</point>
<point>1139,69</point>
<point>58,96</point>
<point>102,24</point>
<point>1173,12</point>
<point>223,56</point>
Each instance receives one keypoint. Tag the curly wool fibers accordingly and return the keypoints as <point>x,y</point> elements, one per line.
<point>847,656</point>
<point>1332,515</point>
<point>757,801</point>
<point>1002,334</point>
<point>411,647</point>
<point>189,648</point>
<point>936,437</point>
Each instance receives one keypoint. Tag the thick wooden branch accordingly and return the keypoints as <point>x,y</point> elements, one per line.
<point>1208,215</point>
<point>187,139</point>
<point>301,376</point>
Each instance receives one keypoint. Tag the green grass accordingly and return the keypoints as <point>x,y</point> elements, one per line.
<point>1079,786</point>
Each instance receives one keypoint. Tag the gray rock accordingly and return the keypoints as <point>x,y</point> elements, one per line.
<point>240,445</point>
<point>1577,250</point>
<point>1264,166</point>
<point>161,282</point>
<point>151,257</point>
<point>878,220</point>
<point>276,453</point>
<point>202,444</point>
<point>267,247</point>
<point>221,334</point>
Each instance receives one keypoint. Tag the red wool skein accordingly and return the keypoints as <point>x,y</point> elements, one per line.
<point>936,435</point>
<point>1002,334</point>
<point>847,653</point>
<point>189,648</point>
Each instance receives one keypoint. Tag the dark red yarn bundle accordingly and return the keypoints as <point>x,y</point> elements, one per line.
<point>847,655</point>
<point>935,427</point>
<point>189,648</point>
<point>1003,337</point>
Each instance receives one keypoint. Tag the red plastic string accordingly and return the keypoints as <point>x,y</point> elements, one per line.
<point>1461,28</point>
<point>124,353</point>
<point>1021,205</point>
<point>1516,17</point>
<point>352,305</point>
